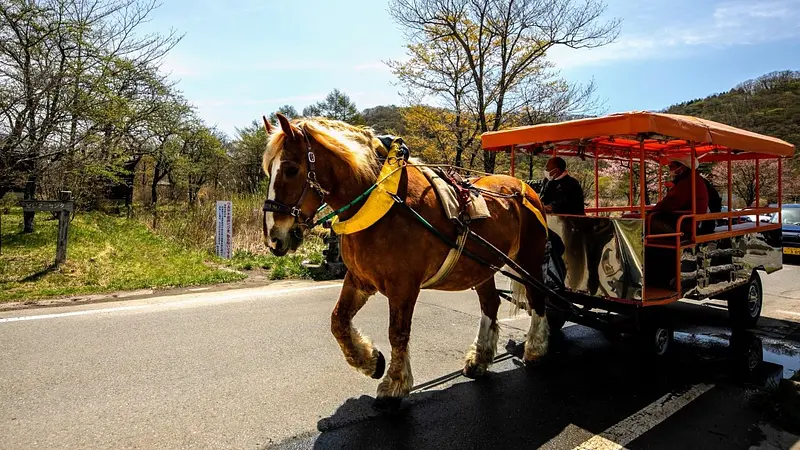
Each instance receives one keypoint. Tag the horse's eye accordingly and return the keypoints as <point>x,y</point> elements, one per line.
<point>291,171</point>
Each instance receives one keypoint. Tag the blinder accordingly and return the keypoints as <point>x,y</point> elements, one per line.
<point>295,211</point>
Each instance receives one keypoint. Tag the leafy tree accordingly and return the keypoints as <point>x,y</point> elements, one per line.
<point>247,150</point>
<point>286,110</point>
<point>337,106</point>
<point>429,135</point>
<point>385,119</point>
<point>201,155</point>
<point>66,71</point>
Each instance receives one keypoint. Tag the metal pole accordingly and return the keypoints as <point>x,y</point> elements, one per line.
<point>630,179</point>
<point>642,180</point>
<point>694,193</point>
<point>513,159</point>
<point>596,183</point>
<point>730,194</point>
<point>758,192</point>
<point>780,190</point>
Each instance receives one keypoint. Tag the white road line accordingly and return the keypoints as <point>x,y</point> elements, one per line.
<point>624,432</point>
<point>219,297</point>
<point>789,312</point>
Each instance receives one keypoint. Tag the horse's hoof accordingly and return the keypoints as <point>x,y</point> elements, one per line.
<point>516,349</point>
<point>473,372</point>
<point>531,364</point>
<point>387,404</point>
<point>380,367</point>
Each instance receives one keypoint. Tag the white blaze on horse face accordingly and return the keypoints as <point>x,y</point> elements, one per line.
<point>270,218</point>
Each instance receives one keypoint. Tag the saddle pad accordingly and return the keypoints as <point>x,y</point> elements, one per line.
<point>476,207</point>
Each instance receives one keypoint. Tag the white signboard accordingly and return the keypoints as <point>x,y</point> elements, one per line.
<point>224,238</point>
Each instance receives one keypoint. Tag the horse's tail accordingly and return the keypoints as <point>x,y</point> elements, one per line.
<point>531,202</point>
<point>519,296</point>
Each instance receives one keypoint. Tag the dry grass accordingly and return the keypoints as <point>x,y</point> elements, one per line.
<point>104,254</point>
<point>194,228</point>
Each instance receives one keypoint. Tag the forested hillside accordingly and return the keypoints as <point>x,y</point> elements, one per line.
<point>769,105</point>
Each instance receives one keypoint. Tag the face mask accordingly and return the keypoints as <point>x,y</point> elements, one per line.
<point>676,172</point>
<point>547,174</point>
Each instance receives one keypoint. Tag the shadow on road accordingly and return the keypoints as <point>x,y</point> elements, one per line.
<point>586,386</point>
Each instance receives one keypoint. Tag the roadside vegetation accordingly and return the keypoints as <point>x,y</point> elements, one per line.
<point>192,227</point>
<point>104,254</point>
<point>106,123</point>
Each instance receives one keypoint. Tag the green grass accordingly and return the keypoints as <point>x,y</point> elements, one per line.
<point>193,227</point>
<point>289,266</point>
<point>104,254</point>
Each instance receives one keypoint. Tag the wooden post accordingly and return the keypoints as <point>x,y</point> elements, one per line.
<point>63,207</point>
<point>63,228</point>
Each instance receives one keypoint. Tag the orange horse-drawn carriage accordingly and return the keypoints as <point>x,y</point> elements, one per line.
<point>613,261</point>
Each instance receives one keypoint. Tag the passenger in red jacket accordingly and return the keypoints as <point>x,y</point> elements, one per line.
<point>678,200</point>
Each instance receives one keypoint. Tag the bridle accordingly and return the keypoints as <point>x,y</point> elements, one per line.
<point>295,211</point>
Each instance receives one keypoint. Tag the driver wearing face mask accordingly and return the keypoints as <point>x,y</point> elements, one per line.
<point>678,200</point>
<point>561,193</point>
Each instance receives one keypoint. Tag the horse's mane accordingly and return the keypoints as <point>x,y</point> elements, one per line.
<point>354,145</point>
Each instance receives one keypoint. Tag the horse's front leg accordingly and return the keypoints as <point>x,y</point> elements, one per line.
<point>398,380</point>
<point>481,354</point>
<point>359,351</point>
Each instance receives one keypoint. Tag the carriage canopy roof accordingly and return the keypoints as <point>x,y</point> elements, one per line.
<point>618,134</point>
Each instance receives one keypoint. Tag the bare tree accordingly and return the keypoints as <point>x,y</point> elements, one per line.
<point>504,42</point>
<point>440,69</point>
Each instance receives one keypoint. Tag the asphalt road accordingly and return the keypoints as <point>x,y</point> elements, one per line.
<point>256,368</point>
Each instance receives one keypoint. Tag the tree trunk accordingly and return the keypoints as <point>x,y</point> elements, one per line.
<point>489,159</point>
<point>30,192</point>
<point>154,187</point>
<point>530,166</point>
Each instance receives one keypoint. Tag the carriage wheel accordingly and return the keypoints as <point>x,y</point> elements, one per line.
<point>747,353</point>
<point>745,303</point>
<point>656,340</point>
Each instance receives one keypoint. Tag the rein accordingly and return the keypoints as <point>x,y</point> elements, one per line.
<point>295,211</point>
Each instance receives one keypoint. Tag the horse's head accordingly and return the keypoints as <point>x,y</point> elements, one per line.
<point>310,161</point>
<point>294,193</point>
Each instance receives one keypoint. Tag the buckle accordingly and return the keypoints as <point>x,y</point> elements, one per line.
<point>311,158</point>
<point>295,212</point>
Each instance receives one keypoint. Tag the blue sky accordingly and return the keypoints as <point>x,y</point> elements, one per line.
<point>243,60</point>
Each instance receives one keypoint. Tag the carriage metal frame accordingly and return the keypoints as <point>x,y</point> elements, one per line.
<point>607,257</point>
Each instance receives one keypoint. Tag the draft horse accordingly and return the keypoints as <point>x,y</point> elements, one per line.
<point>316,161</point>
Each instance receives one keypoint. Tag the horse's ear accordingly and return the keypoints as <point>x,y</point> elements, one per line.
<point>287,127</point>
<point>267,126</point>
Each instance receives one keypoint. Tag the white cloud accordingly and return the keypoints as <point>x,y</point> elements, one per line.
<point>731,23</point>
